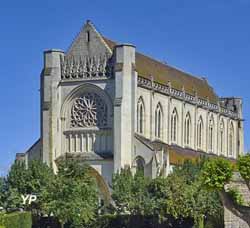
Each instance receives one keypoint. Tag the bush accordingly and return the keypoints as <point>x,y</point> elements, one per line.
<point>141,221</point>
<point>243,165</point>
<point>216,173</point>
<point>236,196</point>
<point>16,220</point>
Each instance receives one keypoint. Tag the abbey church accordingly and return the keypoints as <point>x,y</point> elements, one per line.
<point>105,104</point>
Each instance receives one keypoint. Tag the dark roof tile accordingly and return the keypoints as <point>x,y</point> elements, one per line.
<point>162,73</point>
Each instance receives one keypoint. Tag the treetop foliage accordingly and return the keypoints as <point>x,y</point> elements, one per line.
<point>216,173</point>
<point>180,195</point>
<point>190,192</point>
<point>243,165</point>
<point>72,196</point>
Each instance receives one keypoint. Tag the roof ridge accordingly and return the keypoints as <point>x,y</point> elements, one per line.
<point>162,63</point>
<point>74,39</point>
<point>172,67</point>
<point>148,66</point>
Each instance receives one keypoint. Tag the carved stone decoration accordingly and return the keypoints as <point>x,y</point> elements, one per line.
<point>89,110</point>
<point>86,67</point>
<point>165,89</point>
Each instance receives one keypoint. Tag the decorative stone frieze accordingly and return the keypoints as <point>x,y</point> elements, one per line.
<point>166,89</point>
<point>97,67</point>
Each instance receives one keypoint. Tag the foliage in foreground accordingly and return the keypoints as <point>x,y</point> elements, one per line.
<point>72,196</point>
<point>16,220</point>
<point>22,181</point>
<point>179,196</point>
<point>243,165</point>
<point>187,196</point>
<point>130,193</point>
<point>216,173</point>
<point>139,221</point>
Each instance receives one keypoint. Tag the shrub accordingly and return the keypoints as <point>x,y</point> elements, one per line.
<point>243,165</point>
<point>216,173</point>
<point>236,196</point>
<point>141,221</point>
<point>16,220</point>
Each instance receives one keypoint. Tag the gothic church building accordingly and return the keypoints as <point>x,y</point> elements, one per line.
<point>110,106</point>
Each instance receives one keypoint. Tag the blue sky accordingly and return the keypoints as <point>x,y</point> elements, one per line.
<point>206,38</point>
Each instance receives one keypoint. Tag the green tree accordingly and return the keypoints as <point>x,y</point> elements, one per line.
<point>72,197</point>
<point>18,177</point>
<point>182,195</point>
<point>2,192</point>
<point>205,204</point>
<point>179,196</point>
<point>130,193</point>
<point>23,180</point>
<point>169,196</point>
<point>243,165</point>
<point>217,173</point>
<point>15,186</point>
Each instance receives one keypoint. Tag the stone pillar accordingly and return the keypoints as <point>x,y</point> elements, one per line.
<point>240,128</point>
<point>124,105</point>
<point>49,80</point>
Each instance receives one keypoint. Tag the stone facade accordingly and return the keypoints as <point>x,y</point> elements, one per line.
<point>113,107</point>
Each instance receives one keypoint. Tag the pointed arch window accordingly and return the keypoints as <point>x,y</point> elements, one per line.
<point>158,121</point>
<point>174,126</point>
<point>140,116</point>
<point>231,140</point>
<point>211,135</point>
<point>221,137</point>
<point>200,133</point>
<point>187,130</point>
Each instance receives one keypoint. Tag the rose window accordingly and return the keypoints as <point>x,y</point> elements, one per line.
<point>89,110</point>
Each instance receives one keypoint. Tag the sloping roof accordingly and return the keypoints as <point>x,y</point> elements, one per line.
<point>162,73</point>
<point>177,154</point>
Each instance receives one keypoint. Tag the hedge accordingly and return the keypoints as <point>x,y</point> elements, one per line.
<point>16,220</point>
<point>140,221</point>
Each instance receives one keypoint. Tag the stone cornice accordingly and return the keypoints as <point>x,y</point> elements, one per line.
<point>184,96</point>
<point>80,156</point>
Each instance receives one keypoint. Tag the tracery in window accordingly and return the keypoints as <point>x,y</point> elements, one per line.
<point>158,121</point>
<point>221,137</point>
<point>140,116</point>
<point>200,133</point>
<point>211,135</point>
<point>187,130</point>
<point>89,110</point>
<point>174,126</point>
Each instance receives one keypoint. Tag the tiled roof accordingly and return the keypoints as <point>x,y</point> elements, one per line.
<point>163,73</point>
<point>177,154</point>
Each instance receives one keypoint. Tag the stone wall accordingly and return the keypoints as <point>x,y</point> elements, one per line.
<point>230,219</point>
